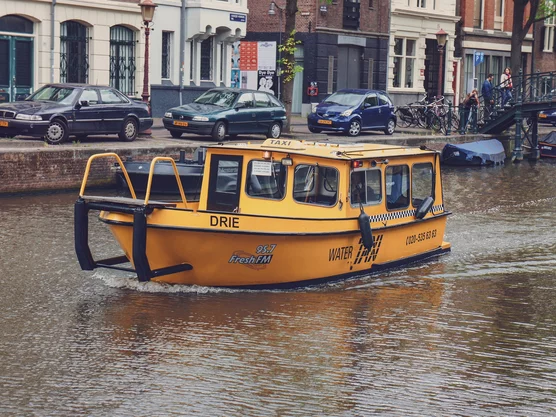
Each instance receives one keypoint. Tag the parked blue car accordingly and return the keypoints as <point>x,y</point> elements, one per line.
<point>222,112</point>
<point>352,111</point>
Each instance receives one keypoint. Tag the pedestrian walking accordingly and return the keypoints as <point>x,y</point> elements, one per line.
<point>487,91</point>
<point>471,107</point>
<point>506,86</point>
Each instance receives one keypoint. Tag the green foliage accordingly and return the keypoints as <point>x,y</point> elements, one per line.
<point>287,63</point>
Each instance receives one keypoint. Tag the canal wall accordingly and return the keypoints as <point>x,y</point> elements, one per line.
<point>55,168</point>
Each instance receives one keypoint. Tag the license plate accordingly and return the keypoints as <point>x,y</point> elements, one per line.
<point>325,122</point>
<point>542,116</point>
<point>3,123</point>
<point>178,123</point>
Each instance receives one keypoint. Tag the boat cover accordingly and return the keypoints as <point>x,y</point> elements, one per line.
<point>550,138</point>
<point>489,151</point>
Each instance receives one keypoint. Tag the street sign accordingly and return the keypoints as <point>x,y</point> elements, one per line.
<point>479,57</point>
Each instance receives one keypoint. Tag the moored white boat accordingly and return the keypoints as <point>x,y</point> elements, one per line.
<point>280,213</point>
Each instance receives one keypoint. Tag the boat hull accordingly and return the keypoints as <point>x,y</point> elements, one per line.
<point>244,258</point>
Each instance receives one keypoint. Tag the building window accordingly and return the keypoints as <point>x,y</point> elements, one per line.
<point>206,59</point>
<point>166,54</point>
<point>122,59</point>
<point>17,24</point>
<point>74,53</point>
<point>404,62</point>
<point>549,34</point>
<point>422,3</point>
<point>351,14</point>
<point>371,4</point>
<point>478,14</point>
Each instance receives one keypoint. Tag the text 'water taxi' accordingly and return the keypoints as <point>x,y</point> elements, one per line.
<point>279,213</point>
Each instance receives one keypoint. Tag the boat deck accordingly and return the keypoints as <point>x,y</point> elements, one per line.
<point>137,202</point>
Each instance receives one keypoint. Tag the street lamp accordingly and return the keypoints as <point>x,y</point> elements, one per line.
<point>271,12</point>
<point>441,38</point>
<point>147,13</point>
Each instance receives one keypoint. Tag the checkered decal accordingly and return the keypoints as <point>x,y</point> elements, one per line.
<point>401,214</point>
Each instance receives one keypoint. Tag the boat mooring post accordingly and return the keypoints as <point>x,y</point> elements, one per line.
<point>517,154</point>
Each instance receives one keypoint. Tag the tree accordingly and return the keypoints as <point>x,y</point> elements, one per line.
<point>538,11</point>
<point>287,60</point>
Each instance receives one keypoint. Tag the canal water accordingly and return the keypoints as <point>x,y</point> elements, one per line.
<point>472,333</point>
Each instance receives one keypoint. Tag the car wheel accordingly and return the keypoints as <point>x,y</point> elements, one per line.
<point>390,127</point>
<point>354,128</point>
<point>129,130</point>
<point>313,130</point>
<point>175,134</point>
<point>274,131</point>
<point>56,133</point>
<point>80,137</point>
<point>219,131</point>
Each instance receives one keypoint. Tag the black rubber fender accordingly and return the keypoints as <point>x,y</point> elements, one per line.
<point>365,228</point>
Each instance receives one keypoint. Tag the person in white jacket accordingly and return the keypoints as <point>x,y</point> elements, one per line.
<point>506,86</point>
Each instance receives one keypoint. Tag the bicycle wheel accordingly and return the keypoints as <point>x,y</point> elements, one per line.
<point>404,117</point>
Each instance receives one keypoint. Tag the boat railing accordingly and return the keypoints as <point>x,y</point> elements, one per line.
<point>105,155</point>
<point>128,180</point>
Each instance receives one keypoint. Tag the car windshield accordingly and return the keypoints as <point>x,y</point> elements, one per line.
<point>344,99</point>
<point>62,95</point>
<point>218,98</point>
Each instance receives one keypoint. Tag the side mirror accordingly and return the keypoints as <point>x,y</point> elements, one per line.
<point>241,105</point>
<point>366,105</point>
<point>84,103</point>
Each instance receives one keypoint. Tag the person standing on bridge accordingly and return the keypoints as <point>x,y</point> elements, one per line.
<point>506,86</point>
<point>487,91</point>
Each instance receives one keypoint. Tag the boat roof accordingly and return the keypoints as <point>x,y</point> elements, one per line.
<point>329,150</point>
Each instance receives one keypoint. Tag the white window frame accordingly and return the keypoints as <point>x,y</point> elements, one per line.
<point>404,59</point>
<point>170,39</point>
<point>549,25</point>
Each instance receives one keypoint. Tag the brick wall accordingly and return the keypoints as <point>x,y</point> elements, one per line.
<point>32,170</point>
<point>372,19</point>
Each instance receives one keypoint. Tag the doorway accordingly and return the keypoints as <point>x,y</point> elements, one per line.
<point>16,59</point>
<point>349,67</point>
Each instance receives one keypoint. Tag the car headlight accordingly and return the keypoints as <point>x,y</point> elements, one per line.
<point>168,114</point>
<point>28,117</point>
<point>200,119</point>
<point>347,113</point>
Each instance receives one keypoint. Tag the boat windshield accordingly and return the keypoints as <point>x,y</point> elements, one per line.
<point>218,98</point>
<point>344,99</point>
<point>62,95</point>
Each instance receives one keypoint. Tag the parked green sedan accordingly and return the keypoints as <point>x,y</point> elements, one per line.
<point>222,112</point>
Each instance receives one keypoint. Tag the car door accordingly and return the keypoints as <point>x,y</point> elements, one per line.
<point>370,112</point>
<point>243,117</point>
<point>263,110</point>
<point>386,108</point>
<point>113,110</point>
<point>87,117</point>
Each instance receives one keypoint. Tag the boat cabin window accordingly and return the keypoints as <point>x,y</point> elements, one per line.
<point>225,175</point>
<point>366,187</point>
<point>397,187</point>
<point>266,179</point>
<point>315,184</point>
<point>422,184</point>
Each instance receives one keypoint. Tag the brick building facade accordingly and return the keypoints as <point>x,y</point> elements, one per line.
<point>485,41</point>
<point>344,44</point>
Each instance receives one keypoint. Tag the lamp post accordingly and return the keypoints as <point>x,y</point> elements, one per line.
<point>147,13</point>
<point>271,12</point>
<point>441,38</point>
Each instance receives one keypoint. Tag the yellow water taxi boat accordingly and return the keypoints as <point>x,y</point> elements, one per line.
<point>278,213</point>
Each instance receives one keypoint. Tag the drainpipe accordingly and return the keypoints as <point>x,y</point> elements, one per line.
<point>52,16</point>
<point>182,48</point>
